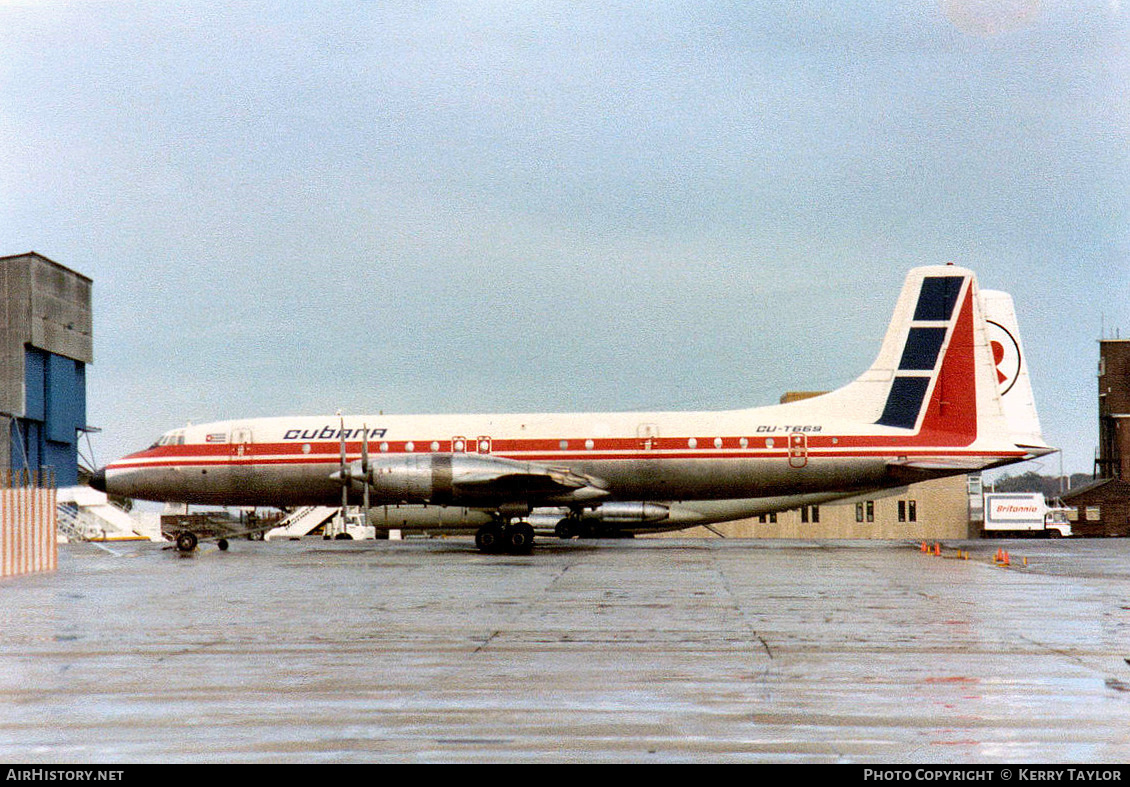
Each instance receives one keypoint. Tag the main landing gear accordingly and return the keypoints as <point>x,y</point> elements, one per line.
<point>514,538</point>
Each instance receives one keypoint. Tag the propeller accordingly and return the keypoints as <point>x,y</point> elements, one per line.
<point>344,478</point>
<point>365,469</point>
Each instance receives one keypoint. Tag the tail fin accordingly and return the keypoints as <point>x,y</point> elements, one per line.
<point>935,340</point>
<point>928,349</point>
<point>1011,369</point>
<point>935,379</point>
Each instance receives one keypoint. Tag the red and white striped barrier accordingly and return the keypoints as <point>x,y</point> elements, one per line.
<point>28,540</point>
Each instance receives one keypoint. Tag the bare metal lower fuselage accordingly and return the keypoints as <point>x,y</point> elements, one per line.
<point>246,484</point>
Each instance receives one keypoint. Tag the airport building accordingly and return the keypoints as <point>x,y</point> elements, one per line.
<point>1102,508</point>
<point>1113,460</point>
<point>46,342</point>
<point>943,508</point>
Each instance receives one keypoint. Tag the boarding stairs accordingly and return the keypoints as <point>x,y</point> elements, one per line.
<point>302,522</point>
<point>75,525</point>
<point>85,514</point>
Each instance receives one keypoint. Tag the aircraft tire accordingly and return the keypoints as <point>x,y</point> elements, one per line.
<point>222,544</point>
<point>186,541</point>
<point>520,538</point>
<point>488,538</point>
<point>565,529</point>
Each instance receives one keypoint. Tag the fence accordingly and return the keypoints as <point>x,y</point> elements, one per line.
<point>28,540</point>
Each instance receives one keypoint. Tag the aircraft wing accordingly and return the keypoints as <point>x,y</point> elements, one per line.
<point>532,478</point>
<point>476,479</point>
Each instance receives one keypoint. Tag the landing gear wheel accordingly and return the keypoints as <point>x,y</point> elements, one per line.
<point>566,529</point>
<point>520,537</point>
<point>489,538</point>
<point>186,541</point>
<point>222,544</point>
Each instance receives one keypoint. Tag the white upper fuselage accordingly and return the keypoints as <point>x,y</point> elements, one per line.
<point>639,456</point>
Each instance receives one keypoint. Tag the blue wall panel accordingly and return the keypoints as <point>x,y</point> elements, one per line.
<point>54,411</point>
<point>64,400</point>
<point>35,384</point>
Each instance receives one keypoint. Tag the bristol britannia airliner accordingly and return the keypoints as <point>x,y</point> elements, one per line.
<point>948,393</point>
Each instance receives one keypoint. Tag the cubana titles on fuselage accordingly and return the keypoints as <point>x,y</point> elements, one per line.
<point>948,393</point>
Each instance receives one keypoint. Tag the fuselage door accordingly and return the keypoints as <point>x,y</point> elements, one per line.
<point>798,449</point>
<point>240,445</point>
<point>648,435</point>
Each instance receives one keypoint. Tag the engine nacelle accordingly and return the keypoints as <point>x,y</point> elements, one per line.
<point>400,479</point>
<point>470,480</point>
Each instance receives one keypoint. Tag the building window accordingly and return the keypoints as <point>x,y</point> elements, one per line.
<point>804,515</point>
<point>912,510</point>
<point>902,510</point>
<point>870,510</point>
<point>859,512</point>
<point>816,514</point>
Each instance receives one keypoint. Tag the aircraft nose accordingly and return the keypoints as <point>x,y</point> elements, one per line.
<point>98,480</point>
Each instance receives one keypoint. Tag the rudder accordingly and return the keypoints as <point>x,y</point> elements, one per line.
<point>1011,368</point>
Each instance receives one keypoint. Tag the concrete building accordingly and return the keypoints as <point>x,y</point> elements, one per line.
<point>46,341</point>
<point>944,508</point>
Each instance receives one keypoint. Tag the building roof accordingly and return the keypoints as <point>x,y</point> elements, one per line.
<point>1103,487</point>
<point>39,256</point>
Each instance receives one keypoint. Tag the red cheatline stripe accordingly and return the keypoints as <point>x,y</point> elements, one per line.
<point>594,455</point>
<point>815,440</point>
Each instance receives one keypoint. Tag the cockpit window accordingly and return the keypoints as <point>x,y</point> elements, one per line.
<point>170,438</point>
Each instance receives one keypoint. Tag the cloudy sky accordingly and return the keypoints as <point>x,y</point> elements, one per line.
<point>556,206</point>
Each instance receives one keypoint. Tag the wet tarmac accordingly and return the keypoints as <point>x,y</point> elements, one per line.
<point>625,651</point>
